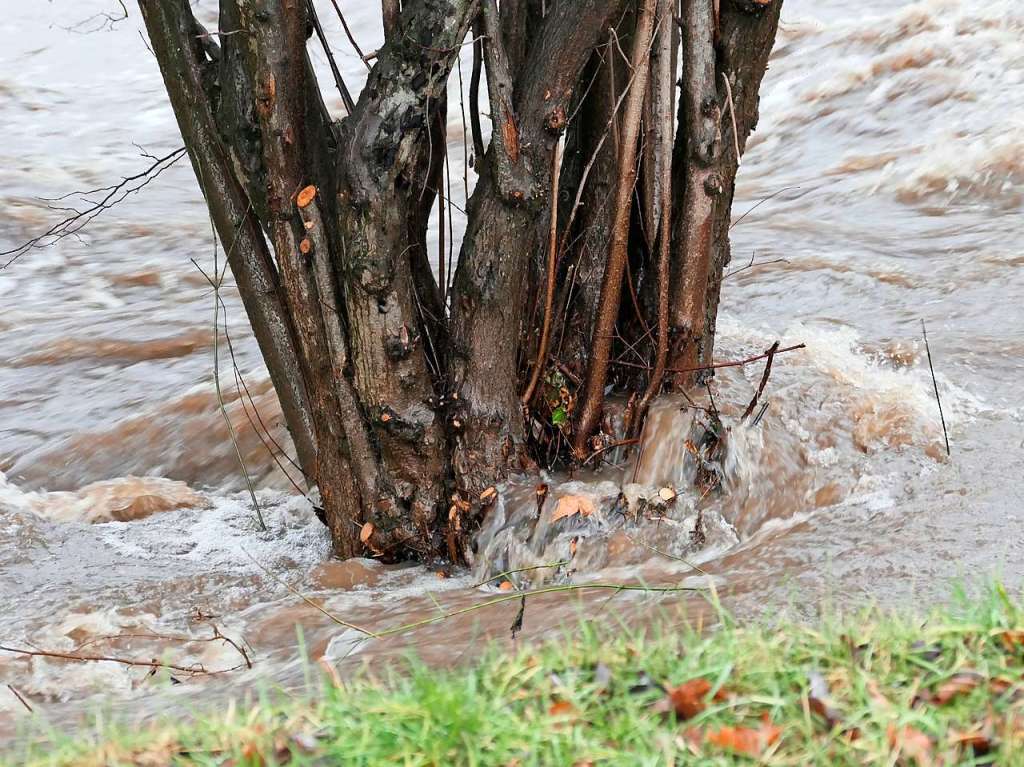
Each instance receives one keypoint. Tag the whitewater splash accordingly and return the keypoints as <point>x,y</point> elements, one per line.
<point>900,129</point>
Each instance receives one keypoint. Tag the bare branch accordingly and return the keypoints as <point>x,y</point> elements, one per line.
<point>78,219</point>
<point>339,81</point>
<point>592,402</point>
<point>348,34</point>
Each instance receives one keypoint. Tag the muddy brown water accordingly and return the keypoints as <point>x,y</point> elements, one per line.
<point>893,137</point>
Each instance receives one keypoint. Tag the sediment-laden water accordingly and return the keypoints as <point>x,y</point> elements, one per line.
<point>892,135</point>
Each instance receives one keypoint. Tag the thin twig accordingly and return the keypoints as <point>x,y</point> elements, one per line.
<point>610,446</point>
<point>195,669</point>
<point>506,573</point>
<point>215,283</point>
<point>339,81</point>
<point>348,34</point>
<point>474,105</point>
<point>79,219</point>
<point>536,592</point>
<point>18,696</point>
<point>307,600</point>
<point>665,554</point>
<point>750,265</point>
<point>217,637</point>
<point>764,381</point>
<point>732,116</point>
<point>935,385</point>
<point>549,298</point>
<point>759,203</point>
<point>715,366</point>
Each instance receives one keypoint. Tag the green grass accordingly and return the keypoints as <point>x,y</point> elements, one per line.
<point>585,699</point>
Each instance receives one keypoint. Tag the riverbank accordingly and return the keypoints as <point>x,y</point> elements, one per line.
<point>872,687</point>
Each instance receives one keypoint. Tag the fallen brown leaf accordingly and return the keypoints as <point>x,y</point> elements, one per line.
<point>960,683</point>
<point>570,505</point>
<point>561,708</point>
<point>876,694</point>
<point>565,712</point>
<point>911,743</point>
<point>978,739</point>
<point>687,700</point>
<point>745,740</point>
<point>366,532</point>
<point>1012,639</point>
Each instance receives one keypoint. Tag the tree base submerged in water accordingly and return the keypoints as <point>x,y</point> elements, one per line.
<point>411,394</point>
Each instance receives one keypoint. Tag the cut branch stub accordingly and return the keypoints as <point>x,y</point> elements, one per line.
<point>305,196</point>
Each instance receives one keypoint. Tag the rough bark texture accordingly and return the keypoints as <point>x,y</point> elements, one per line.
<point>592,398</point>
<point>735,45</point>
<point>404,413</point>
<point>505,233</point>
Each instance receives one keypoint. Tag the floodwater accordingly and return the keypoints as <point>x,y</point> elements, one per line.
<point>892,136</point>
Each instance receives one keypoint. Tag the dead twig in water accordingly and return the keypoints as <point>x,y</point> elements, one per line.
<point>217,636</point>
<point>536,592</point>
<point>610,446</point>
<point>764,381</point>
<point>665,554</point>
<point>935,385</point>
<point>716,365</point>
<point>21,699</point>
<point>334,618</point>
<point>502,575</point>
<point>194,670</point>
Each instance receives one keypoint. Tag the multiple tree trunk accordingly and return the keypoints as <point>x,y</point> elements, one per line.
<point>407,406</point>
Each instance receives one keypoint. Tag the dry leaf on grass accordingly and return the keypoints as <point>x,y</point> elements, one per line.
<point>978,740</point>
<point>687,700</point>
<point>1012,639</point>
<point>912,745</point>
<point>562,708</point>
<point>571,505</point>
<point>565,713</point>
<point>960,683</point>
<point>745,740</point>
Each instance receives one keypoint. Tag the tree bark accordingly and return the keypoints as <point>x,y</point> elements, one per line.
<point>505,235</point>
<point>403,415</point>
<point>185,67</point>
<point>592,401</point>
<point>705,162</point>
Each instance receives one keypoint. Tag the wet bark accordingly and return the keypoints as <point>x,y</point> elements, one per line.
<point>186,69</point>
<point>505,238</point>
<point>595,142</point>
<point>405,414</point>
<point>592,397</point>
<point>735,45</point>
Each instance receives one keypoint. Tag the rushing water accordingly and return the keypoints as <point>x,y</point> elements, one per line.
<point>893,137</point>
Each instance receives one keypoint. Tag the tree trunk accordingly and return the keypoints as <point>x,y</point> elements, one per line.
<point>405,415</point>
